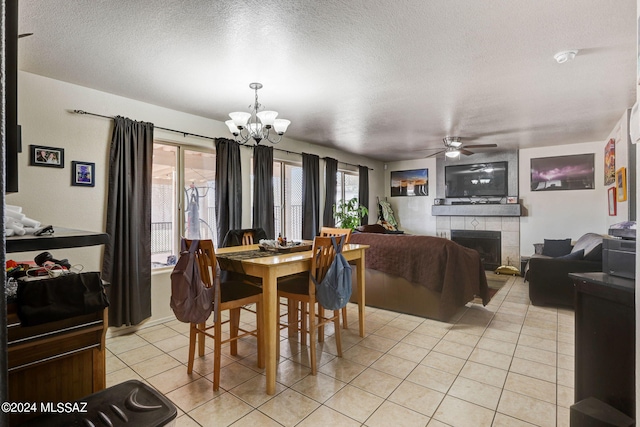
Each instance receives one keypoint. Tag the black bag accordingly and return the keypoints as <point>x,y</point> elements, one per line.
<point>69,295</point>
<point>334,291</point>
<point>191,300</point>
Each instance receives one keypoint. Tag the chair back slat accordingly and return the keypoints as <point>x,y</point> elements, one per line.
<point>329,231</point>
<point>206,257</point>
<point>247,238</point>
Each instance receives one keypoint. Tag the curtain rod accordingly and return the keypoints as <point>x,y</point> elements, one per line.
<point>323,158</point>
<point>202,136</point>
<point>156,127</point>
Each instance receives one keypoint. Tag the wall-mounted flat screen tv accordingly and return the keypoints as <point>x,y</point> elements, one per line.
<point>476,180</point>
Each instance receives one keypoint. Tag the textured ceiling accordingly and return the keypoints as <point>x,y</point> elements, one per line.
<point>378,78</point>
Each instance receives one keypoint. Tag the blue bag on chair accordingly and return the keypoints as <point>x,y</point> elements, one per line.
<point>334,291</point>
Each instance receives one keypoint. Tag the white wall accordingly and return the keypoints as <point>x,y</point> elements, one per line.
<point>46,194</point>
<point>566,213</point>
<point>412,213</point>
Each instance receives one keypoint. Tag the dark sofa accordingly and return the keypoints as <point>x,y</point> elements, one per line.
<point>549,282</point>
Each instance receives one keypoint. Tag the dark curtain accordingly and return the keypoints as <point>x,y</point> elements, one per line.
<point>363,190</point>
<point>228,187</point>
<point>127,256</point>
<point>310,195</point>
<point>330,171</point>
<point>263,189</point>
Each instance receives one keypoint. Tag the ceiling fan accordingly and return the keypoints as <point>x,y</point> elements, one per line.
<point>453,146</point>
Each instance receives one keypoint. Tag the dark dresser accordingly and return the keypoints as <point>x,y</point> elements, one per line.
<point>605,340</point>
<point>59,361</point>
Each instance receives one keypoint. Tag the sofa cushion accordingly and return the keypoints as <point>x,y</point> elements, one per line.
<point>573,255</point>
<point>590,242</point>
<point>556,248</point>
<point>595,254</point>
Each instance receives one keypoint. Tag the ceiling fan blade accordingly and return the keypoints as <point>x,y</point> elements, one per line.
<point>466,152</point>
<point>24,35</point>
<point>481,146</point>
<point>435,154</point>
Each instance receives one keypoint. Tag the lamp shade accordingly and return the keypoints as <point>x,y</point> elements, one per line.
<point>240,118</point>
<point>232,127</point>
<point>452,153</point>
<point>281,125</point>
<point>267,117</point>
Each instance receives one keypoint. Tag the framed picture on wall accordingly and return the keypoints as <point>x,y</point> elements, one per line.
<point>410,183</point>
<point>574,172</point>
<point>610,162</point>
<point>612,201</point>
<point>51,157</point>
<point>621,184</point>
<point>83,174</point>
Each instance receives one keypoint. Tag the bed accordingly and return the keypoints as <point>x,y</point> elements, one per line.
<point>420,275</point>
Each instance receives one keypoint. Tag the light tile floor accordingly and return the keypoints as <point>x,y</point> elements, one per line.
<point>506,364</point>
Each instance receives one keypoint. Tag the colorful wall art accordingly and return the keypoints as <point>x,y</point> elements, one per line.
<point>410,183</point>
<point>563,173</point>
<point>610,162</point>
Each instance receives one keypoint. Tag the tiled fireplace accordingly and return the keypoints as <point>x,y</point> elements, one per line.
<point>509,228</point>
<point>486,243</point>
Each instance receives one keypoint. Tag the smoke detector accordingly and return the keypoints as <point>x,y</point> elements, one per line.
<point>564,56</point>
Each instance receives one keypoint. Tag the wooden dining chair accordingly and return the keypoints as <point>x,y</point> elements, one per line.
<point>247,238</point>
<point>328,232</point>
<point>232,296</point>
<point>242,237</point>
<point>303,290</point>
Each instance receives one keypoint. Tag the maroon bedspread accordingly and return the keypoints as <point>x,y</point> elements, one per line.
<point>439,264</point>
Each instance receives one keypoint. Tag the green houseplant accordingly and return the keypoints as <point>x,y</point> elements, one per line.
<point>348,214</point>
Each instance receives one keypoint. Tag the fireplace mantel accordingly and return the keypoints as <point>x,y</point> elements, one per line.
<point>477,209</point>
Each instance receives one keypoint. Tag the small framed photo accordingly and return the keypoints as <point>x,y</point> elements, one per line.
<point>512,200</point>
<point>83,174</point>
<point>612,201</point>
<point>621,184</point>
<point>46,156</point>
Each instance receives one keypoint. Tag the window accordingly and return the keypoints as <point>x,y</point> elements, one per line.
<point>346,186</point>
<point>287,200</point>
<point>193,171</point>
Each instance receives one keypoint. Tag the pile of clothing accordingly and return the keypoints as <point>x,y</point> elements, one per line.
<point>16,223</point>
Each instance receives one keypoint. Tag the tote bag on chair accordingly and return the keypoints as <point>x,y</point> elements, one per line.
<point>334,291</point>
<point>191,300</point>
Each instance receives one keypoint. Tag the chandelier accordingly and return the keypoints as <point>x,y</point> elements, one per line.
<point>257,125</point>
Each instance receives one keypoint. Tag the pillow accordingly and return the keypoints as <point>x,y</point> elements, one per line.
<point>595,254</point>
<point>371,228</point>
<point>589,242</point>
<point>556,248</point>
<point>573,255</point>
<point>387,225</point>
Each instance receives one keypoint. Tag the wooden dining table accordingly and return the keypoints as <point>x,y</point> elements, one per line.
<point>269,268</point>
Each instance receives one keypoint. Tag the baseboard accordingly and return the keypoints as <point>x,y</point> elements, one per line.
<point>125,330</point>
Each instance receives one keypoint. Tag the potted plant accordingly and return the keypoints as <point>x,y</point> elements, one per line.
<point>348,214</point>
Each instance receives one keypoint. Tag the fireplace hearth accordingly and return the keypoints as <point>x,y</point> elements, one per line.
<point>486,243</point>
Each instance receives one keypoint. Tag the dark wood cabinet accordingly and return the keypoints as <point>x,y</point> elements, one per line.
<point>59,361</point>
<point>605,340</point>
